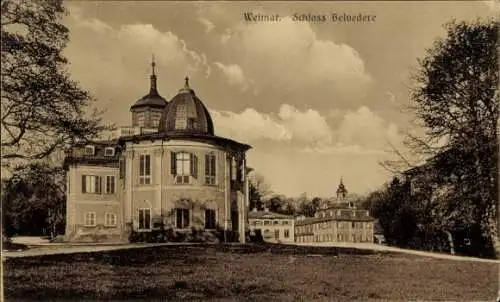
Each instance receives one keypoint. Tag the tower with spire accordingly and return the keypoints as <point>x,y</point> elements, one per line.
<point>146,112</point>
<point>341,191</point>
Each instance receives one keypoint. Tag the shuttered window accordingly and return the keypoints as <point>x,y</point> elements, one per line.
<point>183,166</point>
<point>110,184</point>
<point>91,184</point>
<point>210,163</point>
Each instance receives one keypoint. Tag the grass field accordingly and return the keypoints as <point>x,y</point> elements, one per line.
<point>225,273</point>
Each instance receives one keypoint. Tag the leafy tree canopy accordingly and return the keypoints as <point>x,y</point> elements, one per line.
<point>43,110</point>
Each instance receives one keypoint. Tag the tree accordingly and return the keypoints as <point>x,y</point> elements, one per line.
<point>308,207</point>
<point>259,189</point>
<point>43,110</point>
<point>34,201</point>
<point>456,101</point>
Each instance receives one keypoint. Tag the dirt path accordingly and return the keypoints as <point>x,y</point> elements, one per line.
<point>378,247</point>
<point>40,247</point>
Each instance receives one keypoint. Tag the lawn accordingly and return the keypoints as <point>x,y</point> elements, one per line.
<point>250,274</point>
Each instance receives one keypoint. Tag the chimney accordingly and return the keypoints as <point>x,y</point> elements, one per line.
<point>266,209</point>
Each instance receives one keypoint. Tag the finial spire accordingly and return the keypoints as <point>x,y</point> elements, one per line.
<point>186,82</point>
<point>153,76</point>
<point>153,64</point>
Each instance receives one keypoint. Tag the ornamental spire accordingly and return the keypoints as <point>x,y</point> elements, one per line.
<point>341,190</point>
<point>186,82</point>
<point>153,76</point>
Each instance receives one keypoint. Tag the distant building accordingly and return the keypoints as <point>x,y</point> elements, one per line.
<point>339,222</point>
<point>168,170</point>
<point>274,227</point>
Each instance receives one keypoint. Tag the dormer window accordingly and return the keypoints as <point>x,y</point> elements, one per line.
<point>89,150</point>
<point>109,151</point>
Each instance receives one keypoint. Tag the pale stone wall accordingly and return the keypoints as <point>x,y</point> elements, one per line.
<point>336,231</point>
<point>79,204</point>
<point>163,195</point>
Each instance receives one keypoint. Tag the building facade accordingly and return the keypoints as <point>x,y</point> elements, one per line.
<point>274,227</point>
<point>339,222</point>
<point>168,170</point>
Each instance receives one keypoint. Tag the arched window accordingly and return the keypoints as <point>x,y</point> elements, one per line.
<point>145,216</point>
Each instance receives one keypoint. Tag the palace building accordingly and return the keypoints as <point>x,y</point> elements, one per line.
<point>339,221</point>
<point>168,170</point>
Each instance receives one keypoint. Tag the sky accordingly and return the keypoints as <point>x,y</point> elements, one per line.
<point>317,101</point>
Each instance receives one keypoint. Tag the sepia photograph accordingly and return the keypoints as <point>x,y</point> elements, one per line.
<point>250,150</point>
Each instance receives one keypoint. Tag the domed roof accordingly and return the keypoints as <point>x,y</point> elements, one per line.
<point>186,113</point>
<point>153,98</point>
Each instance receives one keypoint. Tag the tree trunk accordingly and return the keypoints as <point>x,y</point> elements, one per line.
<point>450,242</point>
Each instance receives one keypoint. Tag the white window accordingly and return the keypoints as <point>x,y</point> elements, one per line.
<point>184,166</point>
<point>91,184</point>
<point>90,219</point>
<point>145,169</point>
<point>110,219</point>
<point>183,163</point>
<point>210,163</point>
<point>145,219</point>
<point>109,151</point>
<point>110,184</point>
<point>89,150</point>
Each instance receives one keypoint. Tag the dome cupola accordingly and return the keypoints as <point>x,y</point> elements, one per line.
<point>153,99</point>
<point>186,113</point>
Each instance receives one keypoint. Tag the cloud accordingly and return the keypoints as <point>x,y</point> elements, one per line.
<point>493,5</point>
<point>286,57</point>
<point>249,125</point>
<point>359,132</point>
<point>307,126</point>
<point>209,26</point>
<point>234,75</point>
<point>114,61</point>
<point>363,127</point>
